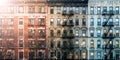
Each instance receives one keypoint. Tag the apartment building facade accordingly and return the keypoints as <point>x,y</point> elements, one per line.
<point>67,29</point>
<point>23,30</point>
<point>100,14</point>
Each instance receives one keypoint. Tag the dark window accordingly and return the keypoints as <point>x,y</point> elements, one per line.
<point>20,55</point>
<point>10,43</point>
<point>41,44</point>
<point>58,44</point>
<point>76,21</point>
<point>51,10</point>
<point>111,10</point>
<point>71,10</point>
<point>41,55</point>
<point>31,55</point>
<point>99,22</point>
<point>83,10</point>
<point>83,21</point>
<point>64,10</point>
<point>104,10</point>
<point>91,33</point>
<point>71,21</point>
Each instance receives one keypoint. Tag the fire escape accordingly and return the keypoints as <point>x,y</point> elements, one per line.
<point>67,35</point>
<point>108,35</point>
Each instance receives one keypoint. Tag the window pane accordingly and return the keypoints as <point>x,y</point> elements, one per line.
<point>83,10</point>
<point>117,10</point>
<point>83,22</point>
<point>98,10</point>
<point>76,21</point>
<point>51,10</point>
<point>99,22</point>
<point>51,21</point>
<point>117,22</point>
<point>104,10</point>
<point>91,10</point>
<point>71,10</point>
<point>58,9</point>
<point>91,22</point>
<point>58,21</point>
<point>77,10</point>
<point>64,10</point>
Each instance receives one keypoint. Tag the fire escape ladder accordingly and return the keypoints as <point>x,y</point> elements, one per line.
<point>108,47</point>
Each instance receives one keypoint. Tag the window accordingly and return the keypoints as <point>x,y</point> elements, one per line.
<point>58,54</point>
<point>64,10</point>
<point>117,10</point>
<point>98,33</point>
<point>31,43</point>
<point>76,32</point>
<point>58,32</point>
<point>83,44</point>
<point>91,33</point>
<point>104,21</point>
<point>30,33</point>
<point>52,54</point>
<point>111,21</point>
<point>83,10</point>
<point>41,21</point>
<point>31,55</point>
<point>92,22</point>
<point>58,21</point>
<point>99,22</point>
<point>98,44</point>
<point>51,33</point>
<point>98,55</point>
<point>71,21</point>
<point>41,9</point>
<point>21,9</point>
<point>83,21</point>
<point>71,10</point>
<point>76,21</point>
<point>92,44</point>
<point>51,44</point>
<point>83,32</point>
<point>117,43</point>
<point>20,43</point>
<point>31,9</point>
<point>41,33</point>
<point>64,21</point>
<point>20,21</point>
<point>40,44</point>
<point>117,33</point>
<point>64,33</point>
<point>58,10</point>
<point>51,21</point>
<point>10,43</point>
<point>10,33</point>
<point>91,10</point>
<point>51,10</point>
<point>111,10</point>
<point>20,55</point>
<point>58,44</point>
<point>104,10</point>
<point>84,55</point>
<point>117,22</point>
<point>77,10</point>
<point>98,10</point>
<point>92,55</point>
<point>10,21</point>
<point>31,21</point>
<point>41,54</point>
